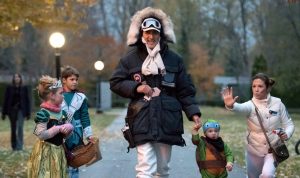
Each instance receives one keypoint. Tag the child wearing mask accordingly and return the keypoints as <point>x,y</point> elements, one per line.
<point>213,156</point>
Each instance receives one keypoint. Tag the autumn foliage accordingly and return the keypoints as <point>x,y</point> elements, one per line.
<point>83,52</point>
<point>202,70</point>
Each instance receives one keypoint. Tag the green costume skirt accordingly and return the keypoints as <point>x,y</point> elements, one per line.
<point>47,161</point>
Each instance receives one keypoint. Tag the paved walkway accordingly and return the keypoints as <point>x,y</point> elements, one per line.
<point>117,163</point>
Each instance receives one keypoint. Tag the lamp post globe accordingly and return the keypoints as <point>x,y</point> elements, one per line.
<point>57,40</point>
<point>99,65</point>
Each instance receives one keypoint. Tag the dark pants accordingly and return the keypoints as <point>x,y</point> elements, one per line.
<point>16,124</point>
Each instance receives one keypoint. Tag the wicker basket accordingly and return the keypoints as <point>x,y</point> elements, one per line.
<point>81,154</point>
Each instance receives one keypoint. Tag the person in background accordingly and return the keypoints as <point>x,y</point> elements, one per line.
<point>16,106</point>
<point>155,79</point>
<point>48,158</point>
<point>213,156</point>
<point>260,161</point>
<point>75,104</point>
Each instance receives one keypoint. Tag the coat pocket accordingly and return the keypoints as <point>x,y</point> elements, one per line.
<point>141,122</point>
<point>172,122</point>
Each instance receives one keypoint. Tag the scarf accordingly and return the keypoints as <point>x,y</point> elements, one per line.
<point>50,107</point>
<point>262,102</point>
<point>217,143</point>
<point>153,62</point>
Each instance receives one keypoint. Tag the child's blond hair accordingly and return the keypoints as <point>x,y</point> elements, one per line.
<point>44,85</point>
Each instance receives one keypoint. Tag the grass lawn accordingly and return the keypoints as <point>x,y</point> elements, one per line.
<point>233,130</point>
<point>13,163</point>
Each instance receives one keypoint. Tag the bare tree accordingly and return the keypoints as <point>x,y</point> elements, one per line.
<point>244,37</point>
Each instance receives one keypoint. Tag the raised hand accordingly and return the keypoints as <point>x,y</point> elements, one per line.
<point>228,98</point>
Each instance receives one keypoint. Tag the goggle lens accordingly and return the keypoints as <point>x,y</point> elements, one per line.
<point>151,22</point>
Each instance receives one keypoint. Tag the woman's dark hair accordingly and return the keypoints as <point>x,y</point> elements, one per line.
<point>268,82</point>
<point>13,79</point>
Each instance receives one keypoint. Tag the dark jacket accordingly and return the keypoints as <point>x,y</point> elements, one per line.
<point>24,104</point>
<point>159,119</point>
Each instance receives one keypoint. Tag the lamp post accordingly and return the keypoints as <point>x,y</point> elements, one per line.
<point>99,65</point>
<point>57,40</point>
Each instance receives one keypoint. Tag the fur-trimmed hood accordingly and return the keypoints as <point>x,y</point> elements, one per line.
<point>139,16</point>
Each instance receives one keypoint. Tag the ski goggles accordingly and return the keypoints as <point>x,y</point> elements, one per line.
<point>151,24</point>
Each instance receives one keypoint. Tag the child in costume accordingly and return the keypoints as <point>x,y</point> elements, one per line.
<point>75,104</point>
<point>48,156</point>
<point>213,156</point>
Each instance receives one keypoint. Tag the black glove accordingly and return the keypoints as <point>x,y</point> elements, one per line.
<point>3,116</point>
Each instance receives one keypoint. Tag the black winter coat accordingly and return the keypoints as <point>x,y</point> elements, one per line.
<point>160,119</point>
<point>24,101</point>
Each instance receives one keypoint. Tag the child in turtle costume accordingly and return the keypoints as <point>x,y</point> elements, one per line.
<point>213,156</point>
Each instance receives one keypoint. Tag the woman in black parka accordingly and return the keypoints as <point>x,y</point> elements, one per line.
<point>155,80</point>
